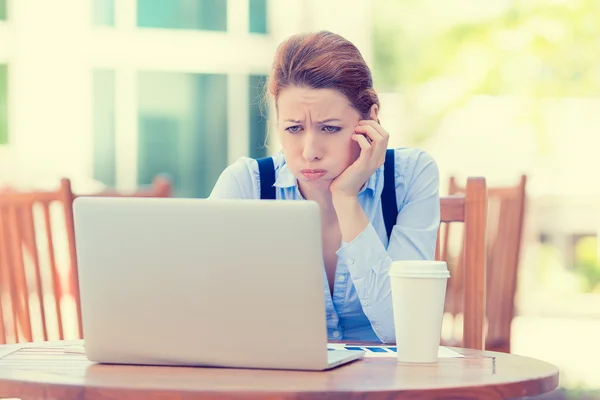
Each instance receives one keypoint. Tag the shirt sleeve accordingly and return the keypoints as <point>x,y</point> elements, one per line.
<point>236,181</point>
<point>413,238</point>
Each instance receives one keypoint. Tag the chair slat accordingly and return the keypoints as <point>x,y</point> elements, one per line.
<point>4,279</point>
<point>53,269</point>
<point>26,215</point>
<point>20,291</point>
<point>475,264</point>
<point>466,288</point>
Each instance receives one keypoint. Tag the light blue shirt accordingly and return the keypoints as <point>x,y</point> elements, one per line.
<point>360,307</point>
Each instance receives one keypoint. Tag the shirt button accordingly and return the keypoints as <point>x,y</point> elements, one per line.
<point>341,278</point>
<point>350,261</point>
<point>336,334</point>
<point>365,302</point>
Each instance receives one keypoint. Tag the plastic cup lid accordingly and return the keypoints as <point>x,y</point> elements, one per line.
<point>419,269</point>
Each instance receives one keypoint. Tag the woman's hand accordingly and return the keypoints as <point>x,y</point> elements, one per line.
<point>373,142</point>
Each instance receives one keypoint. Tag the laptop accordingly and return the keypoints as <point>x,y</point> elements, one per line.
<point>200,282</point>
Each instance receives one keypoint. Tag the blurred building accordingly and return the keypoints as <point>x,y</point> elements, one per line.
<point>117,91</point>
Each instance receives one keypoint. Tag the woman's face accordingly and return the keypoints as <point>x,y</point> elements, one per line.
<point>315,128</point>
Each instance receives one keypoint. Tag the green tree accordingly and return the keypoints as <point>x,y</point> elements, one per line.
<point>531,50</point>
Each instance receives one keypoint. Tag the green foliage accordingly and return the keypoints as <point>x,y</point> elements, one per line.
<point>531,50</point>
<point>587,263</point>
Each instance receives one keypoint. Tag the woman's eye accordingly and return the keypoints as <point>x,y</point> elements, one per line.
<point>293,129</point>
<point>331,129</point>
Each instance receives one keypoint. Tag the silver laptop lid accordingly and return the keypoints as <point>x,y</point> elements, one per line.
<point>201,282</point>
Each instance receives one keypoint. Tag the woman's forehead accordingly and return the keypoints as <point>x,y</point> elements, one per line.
<point>295,102</point>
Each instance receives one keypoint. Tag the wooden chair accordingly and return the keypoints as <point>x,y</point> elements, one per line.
<point>469,208</point>
<point>505,220</point>
<point>30,256</point>
<point>33,264</point>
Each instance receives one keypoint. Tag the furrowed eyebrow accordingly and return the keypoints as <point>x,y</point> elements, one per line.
<point>296,121</point>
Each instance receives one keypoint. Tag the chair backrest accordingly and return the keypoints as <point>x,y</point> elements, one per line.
<point>469,208</point>
<point>505,223</point>
<point>37,263</point>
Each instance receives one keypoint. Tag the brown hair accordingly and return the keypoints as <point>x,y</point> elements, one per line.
<point>323,60</point>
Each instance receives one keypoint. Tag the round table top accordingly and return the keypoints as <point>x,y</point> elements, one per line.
<point>61,370</point>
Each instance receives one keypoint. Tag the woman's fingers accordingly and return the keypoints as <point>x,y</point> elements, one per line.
<point>374,125</point>
<point>362,141</point>
<point>370,132</point>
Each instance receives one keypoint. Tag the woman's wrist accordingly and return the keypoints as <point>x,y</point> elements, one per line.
<point>351,216</point>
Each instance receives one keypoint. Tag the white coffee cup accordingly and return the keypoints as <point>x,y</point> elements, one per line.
<point>418,293</point>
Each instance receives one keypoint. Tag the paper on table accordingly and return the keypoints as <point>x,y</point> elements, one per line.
<point>76,349</point>
<point>388,351</point>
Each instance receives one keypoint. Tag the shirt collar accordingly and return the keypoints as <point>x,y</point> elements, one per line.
<point>285,178</point>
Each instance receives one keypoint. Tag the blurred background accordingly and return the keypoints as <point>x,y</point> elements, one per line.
<point>112,93</point>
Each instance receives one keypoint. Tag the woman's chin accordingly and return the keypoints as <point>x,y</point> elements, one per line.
<point>315,183</point>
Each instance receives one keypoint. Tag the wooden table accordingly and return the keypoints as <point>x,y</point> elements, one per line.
<point>58,370</point>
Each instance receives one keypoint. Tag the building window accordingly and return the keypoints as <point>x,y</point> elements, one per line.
<point>2,10</point>
<point>182,130</point>
<point>208,15</point>
<point>104,127</point>
<point>103,12</point>
<point>258,16</point>
<point>3,104</point>
<point>258,117</point>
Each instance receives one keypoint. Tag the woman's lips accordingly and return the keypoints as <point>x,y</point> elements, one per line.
<point>313,174</point>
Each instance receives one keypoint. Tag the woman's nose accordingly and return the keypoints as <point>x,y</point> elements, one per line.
<point>312,149</point>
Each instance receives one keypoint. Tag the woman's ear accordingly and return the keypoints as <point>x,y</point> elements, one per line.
<point>374,113</point>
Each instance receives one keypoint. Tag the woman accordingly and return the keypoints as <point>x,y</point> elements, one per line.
<point>333,150</point>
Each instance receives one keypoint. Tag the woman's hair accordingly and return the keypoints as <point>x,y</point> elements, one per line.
<point>323,60</point>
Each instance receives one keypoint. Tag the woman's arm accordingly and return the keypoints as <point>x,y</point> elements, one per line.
<point>413,238</point>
